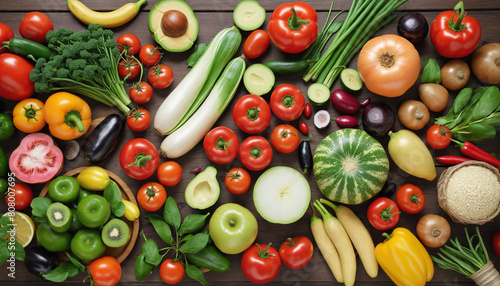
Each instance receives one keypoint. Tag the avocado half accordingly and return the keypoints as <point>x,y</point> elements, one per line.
<point>179,43</point>
<point>203,191</point>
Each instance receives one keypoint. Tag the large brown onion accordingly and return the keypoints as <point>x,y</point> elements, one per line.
<point>485,63</point>
<point>433,230</point>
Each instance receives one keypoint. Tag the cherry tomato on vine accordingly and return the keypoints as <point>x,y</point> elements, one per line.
<point>139,119</point>
<point>237,181</point>
<point>149,55</point>
<point>438,136</point>
<point>256,44</point>
<point>23,195</point>
<point>141,92</point>
<point>410,198</point>
<point>285,138</point>
<point>34,26</point>
<point>130,42</point>
<point>171,272</point>
<point>105,271</point>
<point>160,76</point>
<point>304,128</point>
<point>260,263</point>
<point>221,145</point>
<point>169,173</point>
<point>383,213</point>
<point>128,68</point>
<point>296,252</point>
<point>151,196</point>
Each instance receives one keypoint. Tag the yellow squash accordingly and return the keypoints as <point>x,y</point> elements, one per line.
<point>404,259</point>
<point>411,155</point>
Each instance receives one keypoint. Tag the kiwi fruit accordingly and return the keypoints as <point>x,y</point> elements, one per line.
<point>115,233</point>
<point>60,217</point>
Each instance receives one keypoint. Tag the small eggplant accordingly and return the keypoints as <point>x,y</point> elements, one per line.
<point>305,155</point>
<point>387,190</point>
<point>344,102</point>
<point>102,140</point>
<point>377,118</point>
<point>413,27</point>
<point>346,121</point>
<point>39,260</point>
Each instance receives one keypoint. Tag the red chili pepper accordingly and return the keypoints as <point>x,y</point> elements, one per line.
<point>452,160</point>
<point>477,153</point>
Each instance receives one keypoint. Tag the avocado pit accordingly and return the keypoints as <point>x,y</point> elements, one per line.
<point>174,23</point>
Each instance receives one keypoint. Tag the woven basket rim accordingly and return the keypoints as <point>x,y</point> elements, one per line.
<point>442,199</point>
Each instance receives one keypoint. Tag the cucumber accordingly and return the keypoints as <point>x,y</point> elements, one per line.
<point>258,79</point>
<point>249,15</point>
<point>318,93</point>
<point>350,79</point>
<point>211,258</point>
<point>287,66</point>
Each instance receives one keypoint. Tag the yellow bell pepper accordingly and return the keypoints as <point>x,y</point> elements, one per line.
<point>93,178</point>
<point>67,115</point>
<point>404,259</point>
<point>132,211</point>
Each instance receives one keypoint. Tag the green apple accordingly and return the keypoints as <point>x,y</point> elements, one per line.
<point>233,228</point>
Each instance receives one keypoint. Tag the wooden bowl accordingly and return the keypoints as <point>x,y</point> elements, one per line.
<point>120,253</point>
<point>443,199</point>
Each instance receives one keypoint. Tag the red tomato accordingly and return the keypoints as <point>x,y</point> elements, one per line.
<point>139,119</point>
<point>285,138</point>
<point>287,102</point>
<point>256,153</point>
<point>15,83</point>
<point>438,136</point>
<point>34,26</point>
<point>307,110</point>
<point>169,173</point>
<point>251,113</point>
<point>150,55</point>
<point>496,243</point>
<point>410,199</point>
<point>260,263</point>
<point>128,68</point>
<point>23,195</point>
<point>304,128</point>
<point>139,158</point>
<point>141,92</point>
<point>151,196</point>
<point>383,213</point>
<point>171,272</point>
<point>237,181</point>
<point>6,34</point>
<point>296,252</point>
<point>160,76</point>
<point>221,145</point>
<point>256,44</point>
<point>105,271</point>
<point>130,43</point>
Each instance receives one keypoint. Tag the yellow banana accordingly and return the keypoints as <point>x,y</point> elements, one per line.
<point>110,19</point>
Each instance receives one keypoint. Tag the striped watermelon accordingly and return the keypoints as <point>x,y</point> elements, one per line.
<point>350,166</point>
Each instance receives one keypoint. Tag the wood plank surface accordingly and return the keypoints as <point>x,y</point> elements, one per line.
<point>214,16</point>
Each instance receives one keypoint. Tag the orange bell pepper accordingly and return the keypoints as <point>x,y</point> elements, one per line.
<point>67,115</point>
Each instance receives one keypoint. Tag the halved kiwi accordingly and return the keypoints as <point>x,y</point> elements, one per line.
<point>60,217</point>
<point>115,233</point>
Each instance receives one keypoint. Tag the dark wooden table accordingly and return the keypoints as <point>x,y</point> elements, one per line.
<point>213,16</point>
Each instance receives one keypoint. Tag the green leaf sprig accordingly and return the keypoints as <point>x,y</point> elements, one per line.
<point>182,237</point>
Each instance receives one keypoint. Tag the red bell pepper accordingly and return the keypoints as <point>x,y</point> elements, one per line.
<point>455,35</point>
<point>139,158</point>
<point>293,27</point>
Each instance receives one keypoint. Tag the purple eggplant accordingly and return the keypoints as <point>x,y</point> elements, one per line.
<point>344,102</point>
<point>346,121</point>
<point>378,118</point>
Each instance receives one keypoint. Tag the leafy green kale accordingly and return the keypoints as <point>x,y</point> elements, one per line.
<point>84,63</point>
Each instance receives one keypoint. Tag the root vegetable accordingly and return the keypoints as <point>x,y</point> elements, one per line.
<point>433,230</point>
<point>413,114</point>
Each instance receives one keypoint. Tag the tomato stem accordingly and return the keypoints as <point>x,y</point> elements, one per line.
<point>141,160</point>
<point>30,113</point>
<point>386,214</point>
<point>294,22</point>
<point>287,100</point>
<point>460,10</point>
<point>255,152</point>
<point>222,144</point>
<point>263,253</point>
<point>253,113</point>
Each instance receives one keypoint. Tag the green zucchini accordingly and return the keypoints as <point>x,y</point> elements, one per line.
<point>287,66</point>
<point>318,93</point>
<point>210,258</point>
<point>350,79</point>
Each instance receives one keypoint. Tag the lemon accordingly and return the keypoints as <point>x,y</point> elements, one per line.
<point>24,228</point>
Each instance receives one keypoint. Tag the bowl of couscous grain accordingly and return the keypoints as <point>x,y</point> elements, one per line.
<point>470,192</point>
